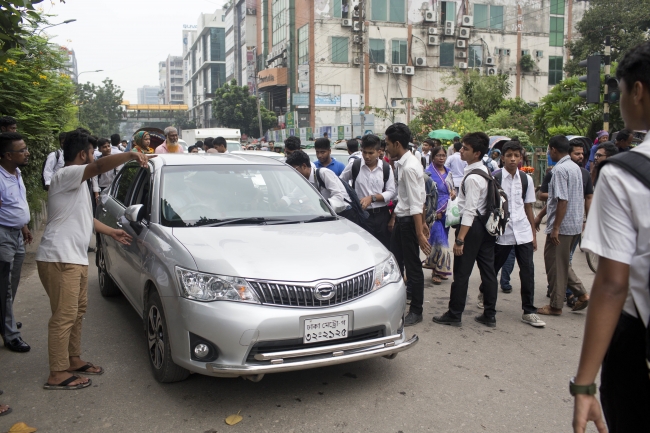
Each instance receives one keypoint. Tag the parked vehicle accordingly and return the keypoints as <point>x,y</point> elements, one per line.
<point>224,272</point>
<point>232,136</point>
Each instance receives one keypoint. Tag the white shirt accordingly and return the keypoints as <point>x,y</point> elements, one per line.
<point>518,231</point>
<point>411,191</point>
<point>69,219</point>
<point>52,165</point>
<point>457,168</point>
<point>474,200</point>
<point>427,157</point>
<point>371,182</point>
<point>333,189</point>
<point>104,180</point>
<point>353,156</point>
<point>618,228</point>
<point>115,149</point>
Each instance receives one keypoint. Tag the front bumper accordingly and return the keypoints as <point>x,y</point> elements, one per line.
<point>338,354</point>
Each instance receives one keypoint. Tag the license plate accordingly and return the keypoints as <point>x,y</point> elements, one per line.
<point>326,328</point>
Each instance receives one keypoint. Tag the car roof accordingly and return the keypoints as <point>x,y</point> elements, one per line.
<point>178,159</point>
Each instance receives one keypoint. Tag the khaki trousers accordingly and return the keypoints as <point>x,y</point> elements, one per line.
<point>66,285</point>
<point>559,272</point>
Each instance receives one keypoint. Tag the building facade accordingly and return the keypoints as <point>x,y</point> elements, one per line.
<point>148,95</point>
<point>70,64</point>
<point>205,66</point>
<point>170,72</point>
<point>241,42</point>
<point>327,61</point>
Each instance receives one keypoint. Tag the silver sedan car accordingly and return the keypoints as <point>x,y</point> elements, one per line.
<point>238,267</point>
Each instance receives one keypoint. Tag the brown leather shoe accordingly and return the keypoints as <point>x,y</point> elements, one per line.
<point>547,310</point>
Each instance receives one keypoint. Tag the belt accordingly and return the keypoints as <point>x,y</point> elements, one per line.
<point>404,219</point>
<point>12,229</point>
<point>378,209</point>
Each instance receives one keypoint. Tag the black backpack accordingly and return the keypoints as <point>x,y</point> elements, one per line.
<point>356,168</point>
<point>637,165</point>
<point>354,202</point>
<point>498,176</point>
<point>57,154</point>
<point>496,215</point>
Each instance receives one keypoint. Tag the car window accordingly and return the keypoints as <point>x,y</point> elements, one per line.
<point>123,184</point>
<point>142,193</point>
<point>233,146</point>
<point>198,195</point>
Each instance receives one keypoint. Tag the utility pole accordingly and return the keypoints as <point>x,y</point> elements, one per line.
<point>608,51</point>
<point>259,116</point>
<point>362,65</point>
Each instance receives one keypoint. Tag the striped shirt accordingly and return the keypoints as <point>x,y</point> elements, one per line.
<point>566,184</point>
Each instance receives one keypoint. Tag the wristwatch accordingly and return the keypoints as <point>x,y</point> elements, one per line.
<point>460,243</point>
<point>581,389</point>
<point>373,199</point>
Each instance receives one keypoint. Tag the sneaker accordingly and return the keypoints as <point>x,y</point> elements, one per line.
<point>446,319</point>
<point>480,301</point>
<point>412,319</point>
<point>490,322</point>
<point>533,320</point>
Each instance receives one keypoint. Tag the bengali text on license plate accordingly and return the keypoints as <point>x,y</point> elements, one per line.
<point>326,328</point>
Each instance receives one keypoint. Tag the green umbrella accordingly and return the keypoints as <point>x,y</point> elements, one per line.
<point>443,134</point>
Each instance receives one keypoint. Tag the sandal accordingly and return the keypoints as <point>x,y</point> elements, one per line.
<point>443,278</point>
<point>7,411</point>
<point>547,310</point>
<point>436,280</point>
<point>425,265</point>
<point>580,305</point>
<point>85,369</point>
<point>66,384</point>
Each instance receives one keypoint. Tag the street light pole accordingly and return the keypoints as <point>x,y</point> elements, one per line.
<point>54,25</point>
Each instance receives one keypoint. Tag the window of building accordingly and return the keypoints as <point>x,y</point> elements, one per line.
<point>303,45</point>
<point>475,56</point>
<point>488,17</point>
<point>555,65</point>
<point>400,52</point>
<point>217,76</point>
<point>377,51</point>
<point>557,32</point>
<point>339,50</point>
<point>388,10</point>
<point>447,54</point>
<point>217,44</point>
<point>448,11</point>
<point>340,8</point>
<point>279,10</point>
<point>557,7</point>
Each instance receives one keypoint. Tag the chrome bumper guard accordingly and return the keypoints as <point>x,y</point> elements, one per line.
<point>369,349</point>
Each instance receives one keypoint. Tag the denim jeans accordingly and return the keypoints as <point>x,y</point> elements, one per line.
<point>506,270</point>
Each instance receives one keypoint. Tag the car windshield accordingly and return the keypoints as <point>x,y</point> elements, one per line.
<point>233,145</point>
<point>193,196</point>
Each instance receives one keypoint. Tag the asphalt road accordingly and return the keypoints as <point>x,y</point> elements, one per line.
<point>513,378</point>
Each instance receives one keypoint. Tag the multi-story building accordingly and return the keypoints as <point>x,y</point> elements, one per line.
<point>241,42</point>
<point>170,73</point>
<point>189,35</point>
<point>148,95</point>
<point>70,64</point>
<point>327,61</point>
<point>205,60</point>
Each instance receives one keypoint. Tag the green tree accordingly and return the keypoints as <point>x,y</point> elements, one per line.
<point>430,114</point>
<point>625,21</point>
<point>463,122</point>
<point>505,119</point>
<point>100,107</point>
<point>234,107</point>
<point>40,97</point>
<point>18,18</point>
<point>481,93</point>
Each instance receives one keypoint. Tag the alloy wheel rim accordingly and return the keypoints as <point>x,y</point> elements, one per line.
<point>156,337</point>
<point>102,267</point>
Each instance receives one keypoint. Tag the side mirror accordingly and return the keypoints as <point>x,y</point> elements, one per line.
<point>134,213</point>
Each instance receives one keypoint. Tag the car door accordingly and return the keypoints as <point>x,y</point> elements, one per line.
<point>135,254</point>
<point>111,213</point>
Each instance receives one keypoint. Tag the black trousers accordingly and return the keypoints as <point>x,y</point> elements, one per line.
<point>524,255</point>
<point>406,249</point>
<point>624,381</point>
<point>479,249</point>
<point>377,224</point>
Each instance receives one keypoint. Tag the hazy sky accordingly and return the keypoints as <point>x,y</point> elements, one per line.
<point>125,38</point>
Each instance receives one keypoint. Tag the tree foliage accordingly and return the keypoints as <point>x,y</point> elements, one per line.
<point>40,97</point>
<point>463,122</point>
<point>503,118</point>
<point>430,114</point>
<point>481,93</point>
<point>100,107</point>
<point>624,20</point>
<point>234,107</point>
<point>18,18</point>
<point>524,139</point>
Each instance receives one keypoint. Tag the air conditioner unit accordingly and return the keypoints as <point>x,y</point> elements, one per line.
<point>489,61</point>
<point>539,54</point>
<point>468,21</point>
<point>525,52</point>
<point>430,16</point>
<point>420,61</point>
<point>358,39</point>
<point>461,54</point>
<point>450,30</point>
<point>434,40</point>
<point>479,70</point>
<point>462,65</point>
<point>397,69</point>
<point>355,13</point>
<point>461,44</point>
<point>449,24</point>
<point>409,70</point>
<point>346,22</point>
<point>464,33</point>
<point>433,30</point>
<point>357,60</point>
<point>491,71</point>
<point>356,26</point>
<point>381,69</point>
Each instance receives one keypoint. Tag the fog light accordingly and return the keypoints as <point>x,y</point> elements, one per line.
<point>201,350</point>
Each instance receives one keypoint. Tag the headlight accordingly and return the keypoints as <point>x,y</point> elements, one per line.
<point>386,272</point>
<point>208,287</point>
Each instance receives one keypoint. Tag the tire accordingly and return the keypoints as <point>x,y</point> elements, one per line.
<point>592,261</point>
<point>159,349</point>
<point>107,286</point>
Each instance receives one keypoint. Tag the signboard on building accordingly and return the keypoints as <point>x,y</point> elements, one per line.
<point>350,100</point>
<point>290,119</point>
<point>300,100</point>
<point>341,130</point>
<point>250,71</point>
<point>303,78</point>
<point>251,7</point>
<point>272,77</point>
<point>369,120</point>
<point>327,101</point>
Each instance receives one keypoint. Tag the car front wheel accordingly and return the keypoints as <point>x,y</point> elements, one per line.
<point>107,286</point>
<point>160,356</point>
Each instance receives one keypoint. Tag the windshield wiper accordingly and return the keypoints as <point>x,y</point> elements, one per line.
<point>321,218</point>
<point>258,220</point>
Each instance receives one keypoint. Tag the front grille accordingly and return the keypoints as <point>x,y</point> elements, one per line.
<point>297,344</point>
<point>292,295</point>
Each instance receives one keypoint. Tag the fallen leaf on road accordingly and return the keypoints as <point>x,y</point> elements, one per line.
<point>21,427</point>
<point>234,419</point>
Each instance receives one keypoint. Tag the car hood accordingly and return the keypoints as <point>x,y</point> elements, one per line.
<point>291,252</point>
